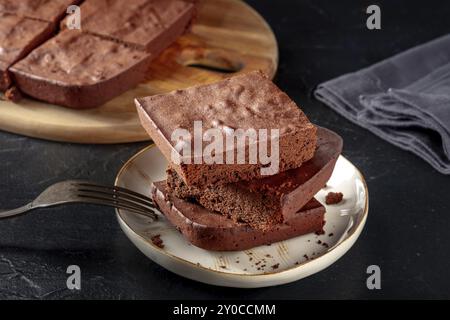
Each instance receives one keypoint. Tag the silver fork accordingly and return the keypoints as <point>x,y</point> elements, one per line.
<point>74,191</point>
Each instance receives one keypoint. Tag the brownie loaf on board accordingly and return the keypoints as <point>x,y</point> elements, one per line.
<point>117,42</point>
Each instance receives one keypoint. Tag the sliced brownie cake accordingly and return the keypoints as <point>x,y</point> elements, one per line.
<point>212,231</point>
<point>265,202</point>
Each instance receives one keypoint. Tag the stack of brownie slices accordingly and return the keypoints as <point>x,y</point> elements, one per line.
<point>233,206</point>
<point>81,68</point>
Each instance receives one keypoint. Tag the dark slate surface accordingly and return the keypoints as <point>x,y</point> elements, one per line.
<point>406,234</point>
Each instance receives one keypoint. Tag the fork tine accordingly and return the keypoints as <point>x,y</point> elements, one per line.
<point>115,195</point>
<point>98,195</point>
<point>131,195</point>
<point>111,196</point>
<point>117,188</point>
<point>111,203</point>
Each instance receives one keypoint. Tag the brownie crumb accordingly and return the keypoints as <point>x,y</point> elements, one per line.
<point>331,234</point>
<point>275,266</point>
<point>5,80</point>
<point>319,233</point>
<point>13,94</point>
<point>157,241</point>
<point>268,256</point>
<point>306,256</point>
<point>223,267</point>
<point>297,263</point>
<point>334,197</point>
<point>325,245</point>
<point>319,242</point>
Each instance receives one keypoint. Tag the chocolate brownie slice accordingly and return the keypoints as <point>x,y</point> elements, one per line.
<point>45,10</point>
<point>150,25</point>
<point>80,70</point>
<point>250,101</point>
<point>271,200</point>
<point>18,36</point>
<point>212,231</point>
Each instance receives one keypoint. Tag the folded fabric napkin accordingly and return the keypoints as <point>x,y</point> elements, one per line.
<point>404,99</point>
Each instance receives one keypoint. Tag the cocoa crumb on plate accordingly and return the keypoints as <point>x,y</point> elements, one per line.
<point>13,94</point>
<point>334,197</point>
<point>157,241</point>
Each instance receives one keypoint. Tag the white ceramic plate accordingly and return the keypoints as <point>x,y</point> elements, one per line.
<point>262,266</point>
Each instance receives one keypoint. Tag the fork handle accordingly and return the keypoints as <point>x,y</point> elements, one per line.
<point>16,212</point>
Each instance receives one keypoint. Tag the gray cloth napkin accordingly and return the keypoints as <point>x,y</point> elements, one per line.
<point>404,99</point>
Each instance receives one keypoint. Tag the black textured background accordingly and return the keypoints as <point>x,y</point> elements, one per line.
<point>407,233</point>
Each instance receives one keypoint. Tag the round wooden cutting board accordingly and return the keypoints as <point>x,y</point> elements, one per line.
<point>227,38</point>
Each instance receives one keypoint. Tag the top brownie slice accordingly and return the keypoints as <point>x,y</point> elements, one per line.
<point>249,101</point>
<point>146,24</point>
<point>46,10</point>
<point>18,36</point>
